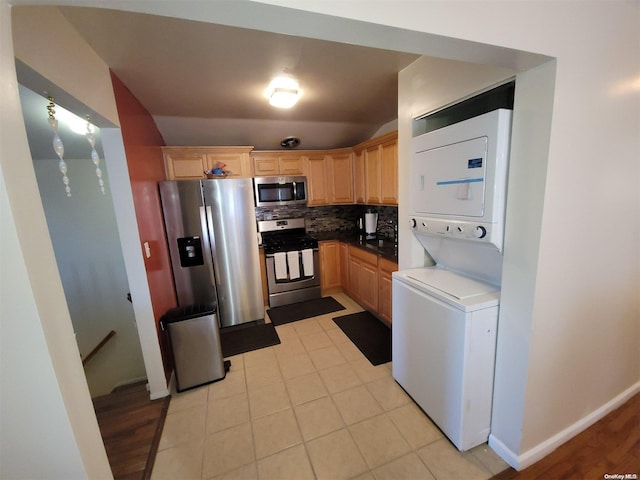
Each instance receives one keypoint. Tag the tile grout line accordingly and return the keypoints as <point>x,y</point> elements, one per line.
<point>316,369</point>
<point>253,437</point>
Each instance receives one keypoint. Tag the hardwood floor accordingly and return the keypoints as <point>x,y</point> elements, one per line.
<point>610,446</point>
<point>131,425</point>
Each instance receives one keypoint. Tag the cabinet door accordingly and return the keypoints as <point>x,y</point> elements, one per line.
<point>354,278</point>
<point>384,296</point>
<point>369,286</point>
<point>235,164</point>
<point>263,275</point>
<point>182,164</point>
<point>265,165</point>
<point>316,177</point>
<point>363,278</point>
<point>290,166</point>
<point>344,265</point>
<point>341,173</point>
<point>372,175</point>
<point>359,177</point>
<point>389,173</point>
<point>329,265</point>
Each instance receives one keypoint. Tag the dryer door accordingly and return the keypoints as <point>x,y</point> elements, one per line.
<point>450,180</point>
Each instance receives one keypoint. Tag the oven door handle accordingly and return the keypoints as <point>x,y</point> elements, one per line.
<point>270,255</point>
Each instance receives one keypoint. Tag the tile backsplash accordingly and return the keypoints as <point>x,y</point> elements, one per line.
<point>333,217</point>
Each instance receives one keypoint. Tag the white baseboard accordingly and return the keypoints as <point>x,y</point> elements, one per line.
<point>129,381</point>
<point>159,394</point>
<point>531,456</point>
<point>165,392</point>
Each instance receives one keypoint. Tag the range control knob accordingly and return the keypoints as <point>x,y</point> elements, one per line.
<point>480,232</point>
<point>413,223</point>
<point>460,228</point>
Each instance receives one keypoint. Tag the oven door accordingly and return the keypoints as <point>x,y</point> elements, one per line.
<point>283,291</point>
<point>280,191</point>
<point>277,285</point>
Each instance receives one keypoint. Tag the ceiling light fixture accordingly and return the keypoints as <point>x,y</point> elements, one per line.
<point>283,92</point>
<point>290,142</point>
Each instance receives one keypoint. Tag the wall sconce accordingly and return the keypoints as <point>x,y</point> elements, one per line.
<point>283,92</point>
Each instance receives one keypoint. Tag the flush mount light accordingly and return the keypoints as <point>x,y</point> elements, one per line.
<point>283,91</point>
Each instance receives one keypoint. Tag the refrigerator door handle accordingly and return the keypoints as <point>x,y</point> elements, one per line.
<point>205,219</point>
<point>212,241</point>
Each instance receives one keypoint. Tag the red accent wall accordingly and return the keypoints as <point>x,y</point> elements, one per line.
<point>142,142</point>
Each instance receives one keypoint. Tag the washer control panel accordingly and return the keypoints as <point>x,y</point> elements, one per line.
<point>463,230</point>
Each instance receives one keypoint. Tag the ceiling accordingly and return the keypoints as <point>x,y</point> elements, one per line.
<point>203,83</point>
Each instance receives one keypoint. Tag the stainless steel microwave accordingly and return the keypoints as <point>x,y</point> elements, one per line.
<point>272,191</point>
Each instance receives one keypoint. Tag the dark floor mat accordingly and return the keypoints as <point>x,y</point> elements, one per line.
<point>307,309</point>
<point>246,339</point>
<point>370,335</point>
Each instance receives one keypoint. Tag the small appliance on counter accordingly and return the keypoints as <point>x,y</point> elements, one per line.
<point>370,224</point>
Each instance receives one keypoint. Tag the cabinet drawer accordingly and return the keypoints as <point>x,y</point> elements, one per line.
<point>387,265</point>
<point>363,255</point>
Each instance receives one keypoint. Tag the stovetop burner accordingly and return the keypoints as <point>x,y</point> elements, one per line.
<point>285,243</point>
<point>285,235</point>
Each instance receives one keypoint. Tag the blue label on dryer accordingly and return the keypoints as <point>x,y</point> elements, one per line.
<point>460,180</point>
<point>474,163</point>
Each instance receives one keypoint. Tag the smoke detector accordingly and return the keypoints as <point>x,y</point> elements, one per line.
<point>290,142</point>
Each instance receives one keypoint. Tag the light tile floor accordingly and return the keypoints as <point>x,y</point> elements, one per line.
<point>312,407</point>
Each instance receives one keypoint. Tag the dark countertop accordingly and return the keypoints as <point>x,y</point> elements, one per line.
<point>387,250</point>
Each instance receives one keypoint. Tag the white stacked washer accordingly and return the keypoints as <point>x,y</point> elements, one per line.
<point>445,317</point>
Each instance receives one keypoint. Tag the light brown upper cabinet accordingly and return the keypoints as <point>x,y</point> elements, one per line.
<point>317,179</point>
<point>270,163</point>
<point>340,169</point>
<point>366,173</point>
<point>330,177</point>
<point>389,172</point>
<point>376,170</point>
<point>182,163</point>
<point>372,174</point>
<point>358,176</point>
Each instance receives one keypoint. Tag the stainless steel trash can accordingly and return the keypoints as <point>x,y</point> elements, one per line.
<point>194,335</point>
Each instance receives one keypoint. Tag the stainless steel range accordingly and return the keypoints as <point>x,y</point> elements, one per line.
<point>292,263</point>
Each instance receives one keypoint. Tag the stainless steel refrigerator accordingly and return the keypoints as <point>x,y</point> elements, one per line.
<point>213,241</point>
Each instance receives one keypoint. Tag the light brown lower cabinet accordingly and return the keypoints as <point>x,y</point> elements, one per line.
<point>360,273</point>
<point>363,278</point>
<point>344,266</point>
<point>263,275</point>
<point>385,269</point>
<point>329,252</point>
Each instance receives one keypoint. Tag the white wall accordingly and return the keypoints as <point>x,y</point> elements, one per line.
<point>85,239</point>
<point>45,401</point>
<point>40,423</point>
